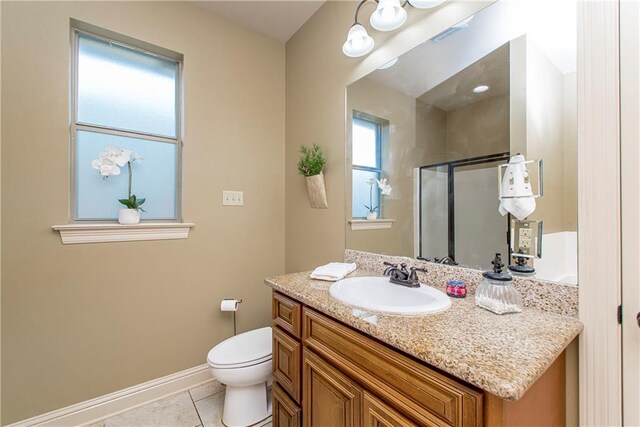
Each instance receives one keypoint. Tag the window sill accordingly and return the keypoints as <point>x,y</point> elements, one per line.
<point>113,232</point>
<point>371,224</point>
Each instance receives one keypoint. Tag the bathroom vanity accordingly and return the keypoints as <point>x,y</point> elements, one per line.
<point>337,365</point>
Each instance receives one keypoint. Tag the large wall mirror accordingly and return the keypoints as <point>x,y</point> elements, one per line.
<point>438,123</point>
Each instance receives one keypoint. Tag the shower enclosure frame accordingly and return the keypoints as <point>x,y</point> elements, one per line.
<point>451,166</point>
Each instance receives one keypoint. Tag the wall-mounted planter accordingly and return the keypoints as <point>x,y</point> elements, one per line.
<point>317,191</point>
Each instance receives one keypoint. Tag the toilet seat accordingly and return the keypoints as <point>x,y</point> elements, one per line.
<point>243,350</point>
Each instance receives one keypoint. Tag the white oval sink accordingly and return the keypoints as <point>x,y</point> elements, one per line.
<point>377,293</point>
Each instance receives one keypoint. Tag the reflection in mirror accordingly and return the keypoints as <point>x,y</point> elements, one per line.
<point>439,122</point>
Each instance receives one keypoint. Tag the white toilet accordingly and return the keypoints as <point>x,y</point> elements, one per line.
<point>243,364</point>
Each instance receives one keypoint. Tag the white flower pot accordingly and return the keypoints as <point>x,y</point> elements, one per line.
<point>372,215</point>
<point>129,216</point>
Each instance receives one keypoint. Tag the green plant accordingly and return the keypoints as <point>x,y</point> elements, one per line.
<point>312,161</point>
<point>132,202</point>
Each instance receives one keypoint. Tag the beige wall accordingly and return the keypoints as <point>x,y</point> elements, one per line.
<point>544,126</point>
<point>317,76</point>
<point>472,130</point>
<point>431,133</point>
<point>399,155</point>
<point>79,321</point>
<point>478,129</point>
<point>545,134</point>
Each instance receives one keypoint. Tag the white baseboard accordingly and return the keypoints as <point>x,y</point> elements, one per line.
<point>119,401</point>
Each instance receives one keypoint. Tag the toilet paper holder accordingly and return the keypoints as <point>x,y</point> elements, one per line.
<point>234,310</point>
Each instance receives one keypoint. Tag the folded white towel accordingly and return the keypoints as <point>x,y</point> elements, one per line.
<point>333,271</point>
<point>517,197</point>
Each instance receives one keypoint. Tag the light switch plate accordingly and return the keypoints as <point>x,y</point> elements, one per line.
<point>232,198</point>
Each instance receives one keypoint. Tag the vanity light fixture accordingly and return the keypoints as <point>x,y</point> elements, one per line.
<point>388,16</point>
<point>480,89</point>
<point>358,42</point>
<point>388,64</point>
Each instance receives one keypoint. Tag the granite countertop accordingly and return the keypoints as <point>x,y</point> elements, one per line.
<point>501,354</point>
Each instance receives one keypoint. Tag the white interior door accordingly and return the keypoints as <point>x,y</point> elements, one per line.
<point>630,180</point>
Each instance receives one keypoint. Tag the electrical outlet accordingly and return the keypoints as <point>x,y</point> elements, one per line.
<point>526,237</point>
<point>232,198</point>
<point>526,232</point>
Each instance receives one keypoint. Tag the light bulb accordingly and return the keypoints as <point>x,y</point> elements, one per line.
<point>480,89</point>
<point>388,16</point>
<point>358,43</point>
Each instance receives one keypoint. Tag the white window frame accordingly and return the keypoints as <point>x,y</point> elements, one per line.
<point>381,141</point>
<point>78,28</point>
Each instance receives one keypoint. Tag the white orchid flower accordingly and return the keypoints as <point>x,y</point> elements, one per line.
<point>135,157</point>
<point>385,189</point>
<point>123,157</point>
<point>106,167</point>
<point>112,159</point>
<point>117,155</point>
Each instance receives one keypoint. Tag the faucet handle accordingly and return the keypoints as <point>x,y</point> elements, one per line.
<point>390,269</point>
<point>414,274</point>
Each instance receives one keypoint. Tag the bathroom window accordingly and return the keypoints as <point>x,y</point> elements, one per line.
<point>366,136</point>
<point>125,94</point>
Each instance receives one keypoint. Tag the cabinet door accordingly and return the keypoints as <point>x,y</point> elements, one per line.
<point>286,363</point>
<point>376,413</point>
<point>285,412</point>
<point>330,399</point>
<point>286,314</point>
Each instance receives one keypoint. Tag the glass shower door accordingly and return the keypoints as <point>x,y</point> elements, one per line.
<point>480,230</point>
<point>434,212</point>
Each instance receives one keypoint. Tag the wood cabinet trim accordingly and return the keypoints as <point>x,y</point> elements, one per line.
<point>284,406</point>
<point>342,387</point>
<point>287,372</point>
<point>286,314</point>
<point>407,385</point>
<point>376,413</point>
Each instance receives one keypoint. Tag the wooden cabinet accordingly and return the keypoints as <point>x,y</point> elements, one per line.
<point>286,314</point>
<point>286,363</point>
<point>330,399</point>
<point>411,388</point>
<point>376,413</point>
<point>327,374</point>
<point>285,412</point>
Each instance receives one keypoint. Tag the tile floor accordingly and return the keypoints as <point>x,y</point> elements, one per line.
<point>198,407</point>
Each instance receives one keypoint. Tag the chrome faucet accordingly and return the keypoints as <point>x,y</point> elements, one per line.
<point>402,276</point>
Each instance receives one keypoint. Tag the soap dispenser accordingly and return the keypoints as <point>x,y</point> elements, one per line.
<point>496,293</point>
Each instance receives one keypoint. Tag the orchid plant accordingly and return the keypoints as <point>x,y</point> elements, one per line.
<point>385,190</point>
<point>109,163</point>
